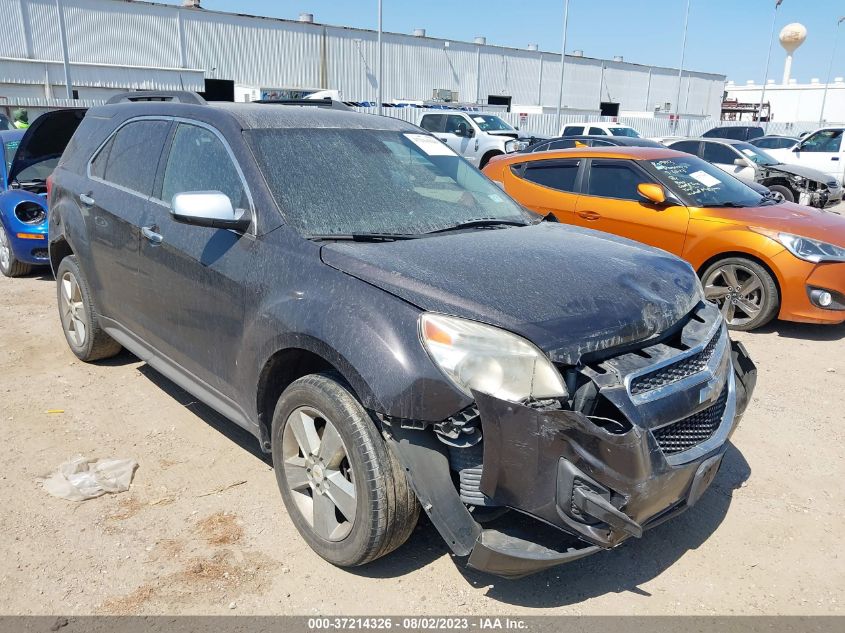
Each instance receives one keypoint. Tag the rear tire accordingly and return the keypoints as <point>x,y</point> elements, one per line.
<point>745,292</point>
<point>786,192</point>
<point>9,265</point>
<point>327,450</point>
<point>79,315</point>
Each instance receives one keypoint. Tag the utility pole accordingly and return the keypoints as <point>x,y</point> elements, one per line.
<point>768,59</point>
<point>63,37</point>
<point>380,66</point>
<point>681,69</point>
<point>830,69</point>
<point>562,63</point>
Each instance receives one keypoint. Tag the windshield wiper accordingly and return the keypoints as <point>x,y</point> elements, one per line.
<point>363,237</point>
<point>479,224</point>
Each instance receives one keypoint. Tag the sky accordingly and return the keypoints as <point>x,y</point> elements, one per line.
<point>728,37</point>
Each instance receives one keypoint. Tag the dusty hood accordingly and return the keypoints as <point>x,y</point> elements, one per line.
<point>788,217</point>
<point>46,138</point>
<point>569,290</point>
<point>803,171</point>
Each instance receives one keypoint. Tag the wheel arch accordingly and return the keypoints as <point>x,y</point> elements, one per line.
<point>485,158</point>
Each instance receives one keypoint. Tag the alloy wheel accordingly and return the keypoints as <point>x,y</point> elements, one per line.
<point>318,473</point>
<point>738,291</point>
<point>73,309</point>
<point>5,250</point>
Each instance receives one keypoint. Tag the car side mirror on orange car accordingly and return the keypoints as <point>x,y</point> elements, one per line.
<point>652,192</point>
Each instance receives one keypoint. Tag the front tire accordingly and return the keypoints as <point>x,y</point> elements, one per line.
<point>79,316</point>
<point>745,292</point>
<point>344,490</point>
<point>9,265</point>
<point>786,192</point>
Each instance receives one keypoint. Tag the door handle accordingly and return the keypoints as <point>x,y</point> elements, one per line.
<point>85,199</point>
<point>834,158</point>
<point>589,215</point>
<point>150,233</point>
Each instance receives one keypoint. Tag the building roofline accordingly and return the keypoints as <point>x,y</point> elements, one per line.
<point>414,37</point>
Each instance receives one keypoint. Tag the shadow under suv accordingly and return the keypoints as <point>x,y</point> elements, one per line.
<point>393,328</point>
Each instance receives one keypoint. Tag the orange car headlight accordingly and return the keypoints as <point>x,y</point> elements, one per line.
<point>805,248</point>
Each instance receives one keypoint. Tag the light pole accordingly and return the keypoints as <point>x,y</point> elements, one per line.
<point>830,68</point>
<point>562,62</point>
<point>681,69</point>
<point>768,59</point>
<point>379,97</point>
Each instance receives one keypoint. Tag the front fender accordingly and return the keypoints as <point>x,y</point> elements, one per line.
<point>22,248</point>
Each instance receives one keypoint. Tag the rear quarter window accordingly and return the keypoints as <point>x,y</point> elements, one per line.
<point>131,156</point>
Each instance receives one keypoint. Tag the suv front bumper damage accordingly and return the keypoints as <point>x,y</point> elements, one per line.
<point>561,468</point>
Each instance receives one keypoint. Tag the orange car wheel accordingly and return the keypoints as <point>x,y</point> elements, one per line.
<point>744,291</point>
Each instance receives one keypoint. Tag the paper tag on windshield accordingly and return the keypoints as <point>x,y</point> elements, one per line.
<point>704,178</point>
<point>478,119</point>
<point>430,145</point>
<point>748,152</point>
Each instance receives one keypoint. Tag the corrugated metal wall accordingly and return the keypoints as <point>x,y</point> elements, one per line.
<point>273,53</point>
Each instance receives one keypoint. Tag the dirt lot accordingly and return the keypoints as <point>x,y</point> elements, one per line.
<point>202,529</point>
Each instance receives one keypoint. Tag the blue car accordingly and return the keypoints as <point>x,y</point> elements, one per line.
<point>29,157</point>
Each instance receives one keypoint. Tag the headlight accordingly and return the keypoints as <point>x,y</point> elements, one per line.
<point>490,360</point>
<point>805,248</point>
<point>515,145</point>
<point>30,212</point>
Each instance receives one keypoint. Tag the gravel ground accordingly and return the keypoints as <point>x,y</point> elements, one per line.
<point>203,531</point>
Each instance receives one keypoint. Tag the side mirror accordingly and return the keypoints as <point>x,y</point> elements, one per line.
<point>797,148</point>
<point>208,208</point>
<point>652,192</point>
<point>469,132</point>
<point>742,162</point>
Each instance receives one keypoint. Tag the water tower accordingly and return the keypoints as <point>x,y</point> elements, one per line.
<point>791,37</point>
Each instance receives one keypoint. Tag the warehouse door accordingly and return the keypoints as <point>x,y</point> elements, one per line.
<point>609,109</point>
<point>499,100</point>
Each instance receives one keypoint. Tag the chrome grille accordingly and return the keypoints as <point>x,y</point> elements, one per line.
<point>676,371</point>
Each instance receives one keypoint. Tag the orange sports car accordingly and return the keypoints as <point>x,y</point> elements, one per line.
<point>758,257</point>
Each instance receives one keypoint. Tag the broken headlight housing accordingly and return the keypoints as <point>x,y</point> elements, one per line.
<point>489,359</point>
<point>515,145</point>
<point>809,250</point>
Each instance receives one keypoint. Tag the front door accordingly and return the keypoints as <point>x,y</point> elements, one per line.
<point>822,150</point>
<point>610,203</point>
<point>457,136</point>
<point>197,277</point>
<point>724,157</point>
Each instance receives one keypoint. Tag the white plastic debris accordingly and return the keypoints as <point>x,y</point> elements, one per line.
<point>81,478</point>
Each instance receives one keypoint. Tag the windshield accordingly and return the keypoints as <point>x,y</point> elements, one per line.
<point>5,123</point>
<point>347,182</point>
<point>490,123</point>
<point>9,150</point>
<point>624,131</point>
<point>756,155</point>
<point>703,184</point>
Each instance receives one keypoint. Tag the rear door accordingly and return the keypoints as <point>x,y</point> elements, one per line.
<point>610,202</point>
<point>195,278</point>
<point>822,150</point>
<point>120,181</point>
<point>546,186</point>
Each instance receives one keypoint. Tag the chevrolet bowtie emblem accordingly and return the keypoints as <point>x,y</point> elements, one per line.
<point>709,391</point>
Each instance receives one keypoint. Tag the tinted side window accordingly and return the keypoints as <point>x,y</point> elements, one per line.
<point>133,155</point>
<point>560,144</point>
<point>199,161</point>
<point>597,131</point>
<point>98,165</point>
<point>573,130</point>
<point>717,153</point>
<point>556,174</point>
<point>433,122</point>
<point>823,141</point>
<point>690,147</point>
<point>456,124</point>
<point>615,179</point>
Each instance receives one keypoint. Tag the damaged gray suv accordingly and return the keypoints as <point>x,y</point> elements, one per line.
<point>394,329</point>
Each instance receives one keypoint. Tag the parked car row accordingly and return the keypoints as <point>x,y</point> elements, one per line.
<point>384,320</point>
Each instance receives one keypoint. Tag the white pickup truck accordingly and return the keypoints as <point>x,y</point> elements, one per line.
<point>822,150</point>
<point>477,137</point>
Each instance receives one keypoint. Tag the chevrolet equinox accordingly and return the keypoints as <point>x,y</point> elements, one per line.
<point>393,328</point>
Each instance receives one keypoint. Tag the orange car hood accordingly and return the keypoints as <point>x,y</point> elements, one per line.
<point>786,217</point>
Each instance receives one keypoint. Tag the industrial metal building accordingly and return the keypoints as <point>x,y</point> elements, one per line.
<point>115,45</point>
